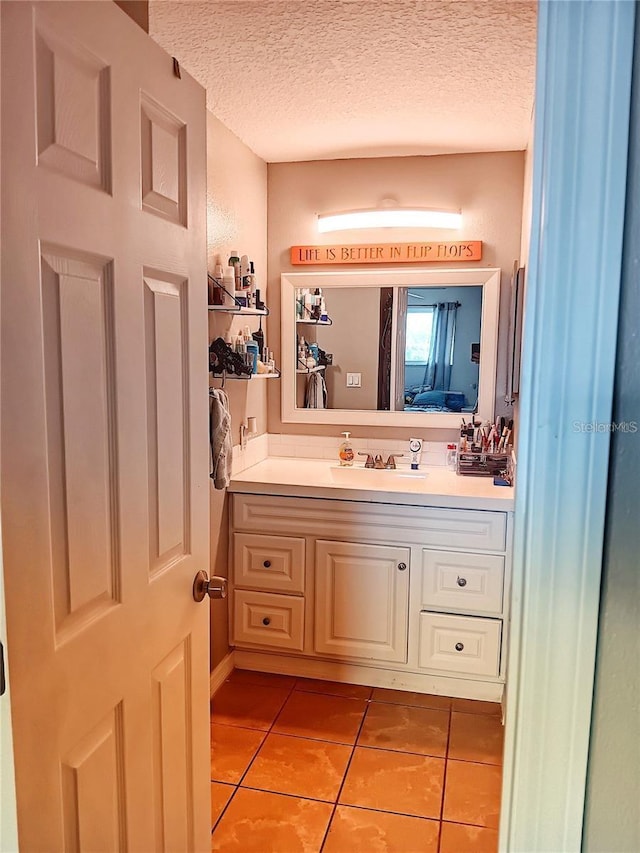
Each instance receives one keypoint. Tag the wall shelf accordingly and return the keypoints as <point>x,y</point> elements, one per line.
<point>245,378</point>
<point>328,322</point>
<point>237,309</point>
<point>316,369</point>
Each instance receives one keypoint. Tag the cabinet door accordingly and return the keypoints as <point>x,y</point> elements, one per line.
<point>362,600</point>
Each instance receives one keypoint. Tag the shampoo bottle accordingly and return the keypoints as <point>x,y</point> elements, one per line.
<point>345,453</point>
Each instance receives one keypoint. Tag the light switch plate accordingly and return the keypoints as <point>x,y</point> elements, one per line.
<point>354,380</point>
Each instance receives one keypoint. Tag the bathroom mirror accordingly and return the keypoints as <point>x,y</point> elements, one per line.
<point>405,347</point>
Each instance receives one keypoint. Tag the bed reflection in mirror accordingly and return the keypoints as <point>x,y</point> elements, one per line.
<point>412,349</point>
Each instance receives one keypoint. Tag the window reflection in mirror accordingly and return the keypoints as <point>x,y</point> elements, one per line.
<point>392,349</point>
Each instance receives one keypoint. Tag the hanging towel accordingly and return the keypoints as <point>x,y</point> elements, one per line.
<point>220,437</point>
<point>315,394</point>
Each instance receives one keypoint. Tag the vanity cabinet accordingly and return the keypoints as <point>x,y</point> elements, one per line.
<point>393,595</point>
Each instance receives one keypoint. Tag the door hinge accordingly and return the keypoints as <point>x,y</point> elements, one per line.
<point>3,683</point>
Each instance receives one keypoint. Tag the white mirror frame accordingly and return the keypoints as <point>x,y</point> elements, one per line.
<point>488,278</point>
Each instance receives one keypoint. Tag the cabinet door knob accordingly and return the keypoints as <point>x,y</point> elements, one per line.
<point>266,621</point>
<point>267,564</point>
<point>402,566</point>
<point>462,581</point>
<point>459,647</point>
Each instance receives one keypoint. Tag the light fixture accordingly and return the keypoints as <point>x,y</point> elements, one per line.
<point>415,217</point>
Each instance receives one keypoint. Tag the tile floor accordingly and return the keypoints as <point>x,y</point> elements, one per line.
<point>302,766</point>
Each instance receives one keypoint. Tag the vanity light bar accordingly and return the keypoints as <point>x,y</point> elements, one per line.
<point>389,218</point>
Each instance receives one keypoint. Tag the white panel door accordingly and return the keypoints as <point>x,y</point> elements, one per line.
<point>362,600</point>
<point>104,432</point>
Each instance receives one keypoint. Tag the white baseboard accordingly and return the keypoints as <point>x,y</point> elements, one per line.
<point>222,671</point>
<point>438,685</point>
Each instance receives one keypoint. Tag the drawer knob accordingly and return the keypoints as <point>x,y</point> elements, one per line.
<point>462,581</point>
<point>267,564</point>
<point>402,566</point>
<point>266,621</point>
<point>459,647</point>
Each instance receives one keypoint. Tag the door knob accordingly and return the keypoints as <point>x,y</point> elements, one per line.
<point>216,587</point>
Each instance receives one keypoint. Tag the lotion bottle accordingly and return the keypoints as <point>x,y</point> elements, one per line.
<point>415,446</point>
<point>345,453</point>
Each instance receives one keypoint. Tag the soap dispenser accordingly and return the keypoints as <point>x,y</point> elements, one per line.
<point>345,452</point>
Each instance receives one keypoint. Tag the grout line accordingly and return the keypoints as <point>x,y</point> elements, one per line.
<point>222,813</point>
<point>399,814</point>
<point>344,778</point>
<point>476,825</point>
<point>444,779</point>
<point>286,794</point>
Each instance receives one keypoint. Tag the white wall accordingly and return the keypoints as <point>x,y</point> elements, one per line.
<point>353,340</point>
<point>236,219</point>
<point>486,187</point>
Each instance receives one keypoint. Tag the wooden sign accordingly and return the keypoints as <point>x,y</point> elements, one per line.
<point>387,253</point>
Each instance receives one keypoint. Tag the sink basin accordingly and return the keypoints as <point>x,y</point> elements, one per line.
<point>375,478</point>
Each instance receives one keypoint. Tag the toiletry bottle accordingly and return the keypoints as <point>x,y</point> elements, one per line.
<point>308,303</point>
<point>229,284</point>
<point>302,349</point>
<point>244,271</point>
<point>217,293</point>
<point>415,446</point>
<point>252,347</point>
<point>452,457</point>
<point>234,261</point>
<point>317,299</point>
<point>345,452</point>
<point>258,337</point>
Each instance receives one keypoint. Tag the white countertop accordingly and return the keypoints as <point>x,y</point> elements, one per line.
<point>318,478</point>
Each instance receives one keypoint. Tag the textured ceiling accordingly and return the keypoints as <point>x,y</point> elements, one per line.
<point>321,79</point>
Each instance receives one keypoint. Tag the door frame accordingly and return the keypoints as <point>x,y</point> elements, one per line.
<point>571,318</point>
<point>543,804</point>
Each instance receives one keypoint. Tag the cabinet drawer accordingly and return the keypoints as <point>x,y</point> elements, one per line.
<point>265,619</point>
<point>460,581</point>
<point>460,644</point>
<point>268,562</point>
